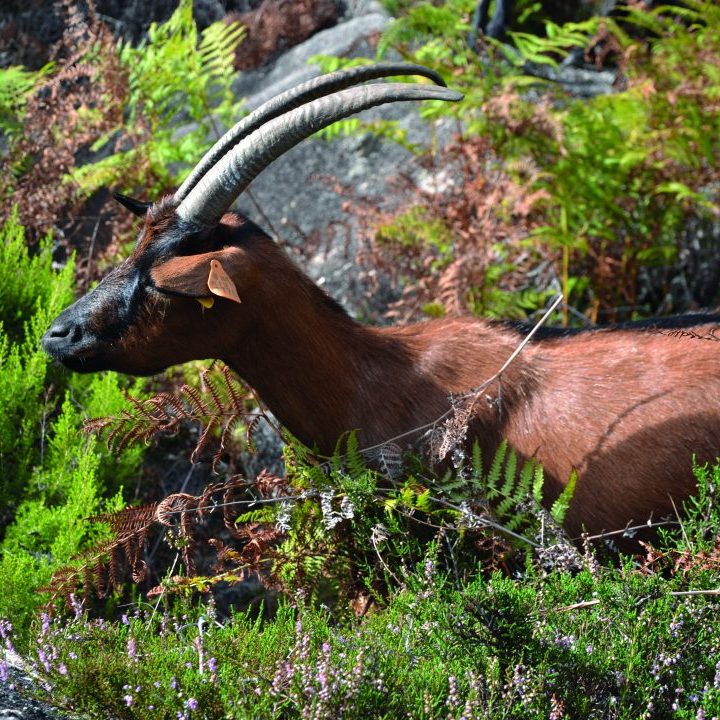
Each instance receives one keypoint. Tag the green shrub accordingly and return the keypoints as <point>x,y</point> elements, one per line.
<point>597,189</point>
<point>53,476</point>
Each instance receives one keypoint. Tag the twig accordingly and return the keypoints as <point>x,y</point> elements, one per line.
<point>632,528</point>
<point>157,604</point>
<point>690,593</point>
<point>579,605</point>
<point>475,391</point>
<point>674,593</point>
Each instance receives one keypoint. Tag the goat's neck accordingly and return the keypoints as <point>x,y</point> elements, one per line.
<point>310,363</point>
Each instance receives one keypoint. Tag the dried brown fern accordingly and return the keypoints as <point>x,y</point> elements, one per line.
<point>483,216</point>
<point>66,114</point>
<point>219,405</point>
<point>245,547</point>
<point>682,562</point>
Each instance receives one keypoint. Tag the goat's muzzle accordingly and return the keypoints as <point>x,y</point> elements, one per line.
<point>68,342</point>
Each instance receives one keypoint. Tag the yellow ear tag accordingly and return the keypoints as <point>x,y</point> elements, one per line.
<point>221,284</point>
<point>206,302</point>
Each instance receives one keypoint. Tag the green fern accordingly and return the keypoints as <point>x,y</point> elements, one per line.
<point>176,76</point>
<point>16,84</point>
<point>558,41</point>
<point>265,514</point>
<point>492,481</point>
<point>511,495</point>
<point>559,509</point>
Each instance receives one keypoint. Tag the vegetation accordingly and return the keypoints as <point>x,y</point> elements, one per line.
<point>600,189</point>
<point>54,477</point>
<point>599,642</point>
<point>382,593</point>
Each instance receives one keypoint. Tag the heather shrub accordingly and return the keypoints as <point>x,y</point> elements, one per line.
<point>623,642</point>
<point>54,477</point>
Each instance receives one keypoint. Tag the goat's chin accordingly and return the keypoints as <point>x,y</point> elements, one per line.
<point>99,363</point>
<point>83,364</point>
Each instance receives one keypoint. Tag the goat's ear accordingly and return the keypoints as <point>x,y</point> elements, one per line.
<point>200,276</point>
<point>136,207</point>
<point>220,283</point>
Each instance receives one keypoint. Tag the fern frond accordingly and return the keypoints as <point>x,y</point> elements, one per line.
<point>560,506</point>
<point>231,384</point>
<point>525,481</point>
<point>538,483</point>
<point>193,397</point>
<point>203,441</point>
<point>354,461</point>
<point>225,439</point>
<point>208,385</point>
<point>493,477</point>
<point>510,474</point>
<point>259,515</point>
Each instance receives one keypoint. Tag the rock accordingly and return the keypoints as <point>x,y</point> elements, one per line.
<point>296,199</point>
<point>348,39</point>
<point>16,695</point>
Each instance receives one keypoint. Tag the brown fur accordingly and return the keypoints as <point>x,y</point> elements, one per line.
<point>626,409</point>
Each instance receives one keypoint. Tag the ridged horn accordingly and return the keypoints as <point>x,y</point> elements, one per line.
<point>215,192</point>
<point>295,97</point>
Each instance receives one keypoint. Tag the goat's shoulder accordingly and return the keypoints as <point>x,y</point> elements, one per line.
<point>459,351</point>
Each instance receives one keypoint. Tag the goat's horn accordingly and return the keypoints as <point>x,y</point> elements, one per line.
<point>295,97</point>
<point>215,192</point>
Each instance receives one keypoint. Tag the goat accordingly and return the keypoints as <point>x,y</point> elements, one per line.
<point>624,407</point>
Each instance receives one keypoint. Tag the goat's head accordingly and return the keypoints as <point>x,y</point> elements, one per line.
<point>176,298</point>
<point>153,310</point>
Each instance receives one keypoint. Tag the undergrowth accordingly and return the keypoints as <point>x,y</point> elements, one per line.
<point>53,476</point>
<point>595,643</point>
<point>106,114</point>
<point>543,191</point>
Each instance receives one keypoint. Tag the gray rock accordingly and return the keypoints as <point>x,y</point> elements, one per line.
<point>16,695</point>
<point>293,67</point>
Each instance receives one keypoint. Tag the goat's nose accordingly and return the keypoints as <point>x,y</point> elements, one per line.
<point>62,335</point>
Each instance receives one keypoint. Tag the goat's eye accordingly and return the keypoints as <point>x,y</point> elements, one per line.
<point>197,245</point>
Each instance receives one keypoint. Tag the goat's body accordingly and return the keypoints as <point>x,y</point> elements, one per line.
<point>626,407</point>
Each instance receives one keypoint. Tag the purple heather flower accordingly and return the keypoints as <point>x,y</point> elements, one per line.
<point>3,671</point>
<point>5,633</point>
<point>42,657</point>
<point>76,605</point>
<point>62,669</point>
<point>128,700</point>
<point>125,620</point>
<point>132,648</point>
<point>212,665</point>
<point>191,704</point>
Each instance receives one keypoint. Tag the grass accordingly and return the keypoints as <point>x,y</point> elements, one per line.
<point>629,640</point>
